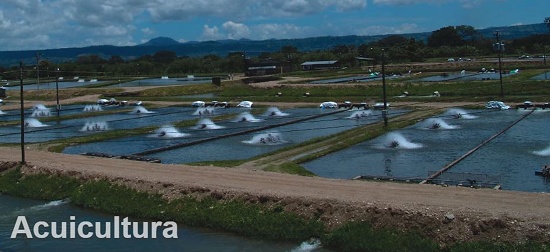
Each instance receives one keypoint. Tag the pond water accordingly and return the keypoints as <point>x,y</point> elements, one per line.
<point>165,82</point>
<point>52,85</point>
<point>189,239</point>
<point>465,76</point>
<point>238,146</point>
<point>544,76</point>
<point>512,158</point>
<point>38,131</point>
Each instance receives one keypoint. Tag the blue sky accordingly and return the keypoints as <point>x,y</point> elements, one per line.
<point>45,24</point>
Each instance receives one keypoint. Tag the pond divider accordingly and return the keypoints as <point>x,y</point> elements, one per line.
<point>456,161</point>
<point>180,145</point>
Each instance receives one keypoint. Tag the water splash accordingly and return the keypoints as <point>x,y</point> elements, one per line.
<point>40,111</point>
<point>2,112</point>
<point>95,126</point>
<point>436,123</point>
<point>271,138</point>
<point>168,131</point>
<point>459,114</point>
<point>395,140</point>
<point>360,114</point>
<point>544,152</point>
<point>274,111</point>
<point>207,124</point>
<point>33,123</point>
<point>246,117</point>
<point>92,108</point>
<point>202,111</point>
<point>309,245</point>
<point>42,207</point>
<point>140,110</point>
<point>39,106</point>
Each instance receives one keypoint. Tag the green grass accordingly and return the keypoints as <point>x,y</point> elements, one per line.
<point>211,210</point>
<point>361,236</point>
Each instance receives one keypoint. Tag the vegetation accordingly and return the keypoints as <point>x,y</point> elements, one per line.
<point>274,222</point>
<point>461,41</point>
<point>254,220</point>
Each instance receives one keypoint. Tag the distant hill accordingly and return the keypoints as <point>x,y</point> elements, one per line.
<point>223,47</point>
<point>160,41</point>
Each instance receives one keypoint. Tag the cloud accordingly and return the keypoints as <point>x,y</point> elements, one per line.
<point>211,33</point>
<point>245,9</point>
<point>464,3</point>
<point>236,30</point>
<point>233,30</point>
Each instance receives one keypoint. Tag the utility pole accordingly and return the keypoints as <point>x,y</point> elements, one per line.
<point>58,107</point>
<point>37,71</point>
<point>499,47</point>
<point>22,114</point>
<point>385,110</point>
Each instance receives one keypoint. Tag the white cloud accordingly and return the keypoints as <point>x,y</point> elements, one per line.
<point>464,3</point>
<point>148,31</point>
<point>236,30</point>
<point>211,33</point>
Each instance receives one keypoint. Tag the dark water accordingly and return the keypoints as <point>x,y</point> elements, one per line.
<point>512,158</point>
<point>52,85</point>
<point>189,239</point>
<point>164,82</point>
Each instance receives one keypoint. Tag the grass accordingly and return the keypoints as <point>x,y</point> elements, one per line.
<point>237,216</point>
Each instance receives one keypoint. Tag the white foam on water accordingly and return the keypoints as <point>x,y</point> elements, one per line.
<point>92,108</point>
<point>360,114</point>
<point>246,117</point>
<point>437,123</point>
<point>309,245</point>
<point>34,123</point>
<point>141,110</point>
<point>95,126</point>
<point>168,131</point>
<point>544,152</point>
<point>397,138</point>
<point>460,114</point>
<point>204,111</point>
<point>274,111</point>
<point>270,138</point>
<point>207,124</point>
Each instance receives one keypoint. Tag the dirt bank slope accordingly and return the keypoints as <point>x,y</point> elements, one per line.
<point>476,213</point>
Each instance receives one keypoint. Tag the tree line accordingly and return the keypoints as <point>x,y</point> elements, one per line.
<point>452,41</point>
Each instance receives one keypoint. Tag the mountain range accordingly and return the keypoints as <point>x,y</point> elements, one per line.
<point>223,47</point>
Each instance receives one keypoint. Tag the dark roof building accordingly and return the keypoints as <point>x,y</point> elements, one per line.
<point>319,65</point>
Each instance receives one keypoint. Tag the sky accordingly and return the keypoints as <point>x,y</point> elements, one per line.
<point>49,24</point>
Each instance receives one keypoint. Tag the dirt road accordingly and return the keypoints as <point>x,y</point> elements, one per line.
<point>446,213</point>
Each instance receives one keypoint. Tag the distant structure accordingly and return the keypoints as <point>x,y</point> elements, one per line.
<point>266,67</point>
<point>320,65</point>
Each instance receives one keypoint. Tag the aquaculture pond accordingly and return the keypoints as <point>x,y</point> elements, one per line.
<point>59,211</point>
<point>52,85</point>
<point>134,117</point>
<point>418,151</point>
<point>267,131</point>
<point>164,82</point>
<point>466,76</point>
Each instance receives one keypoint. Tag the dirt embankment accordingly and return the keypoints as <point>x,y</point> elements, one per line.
<point>447,214</point>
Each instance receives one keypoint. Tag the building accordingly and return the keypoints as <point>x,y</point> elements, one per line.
<point>266,67</point>
<point>320,65</point>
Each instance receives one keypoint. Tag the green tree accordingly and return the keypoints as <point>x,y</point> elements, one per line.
<point>446,36</point>
<point>164,56</point>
